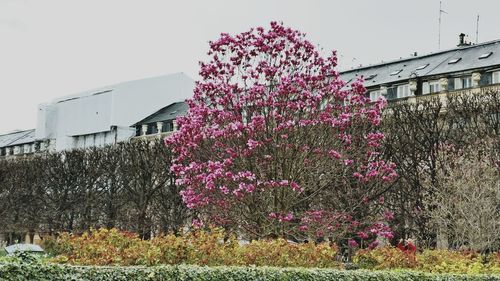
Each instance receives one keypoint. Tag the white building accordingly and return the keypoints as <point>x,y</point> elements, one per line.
<point>98,117</point>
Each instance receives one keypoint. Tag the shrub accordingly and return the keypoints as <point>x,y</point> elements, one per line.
<point>191,272</point>
<point>385,258</point>
<point>212,247</point>
<point>433,261</point>
<point>493,263</point>
<point>282,253</point>
<point>99,247</point>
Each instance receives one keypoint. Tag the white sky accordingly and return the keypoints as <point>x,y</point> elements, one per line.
<point>52,48</point>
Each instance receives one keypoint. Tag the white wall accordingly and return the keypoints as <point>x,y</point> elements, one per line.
<point>87,119</point>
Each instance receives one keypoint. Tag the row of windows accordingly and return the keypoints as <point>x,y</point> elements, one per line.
<point>399,91</point>
<point>152,128</point>
<point>20,149</point>
<point>91,140</point>
<point>429,87</point>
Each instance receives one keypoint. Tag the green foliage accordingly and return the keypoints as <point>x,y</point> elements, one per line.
<point>433,261</point>
<point>190,272</point>
<point>384,258</point>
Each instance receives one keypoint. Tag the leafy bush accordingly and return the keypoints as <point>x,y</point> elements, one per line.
<point>281,253</point>
<point>493,263</point>
<point>385,258</point>
<point>213,247</point>
<point>434,261</point>
<point>99,247</point>
<point>450,261</point>
<point>191,272</point>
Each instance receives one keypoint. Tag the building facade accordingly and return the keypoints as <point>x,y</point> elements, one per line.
<point>99,117</point>
<point>148,108</point>
<point>466,67</point>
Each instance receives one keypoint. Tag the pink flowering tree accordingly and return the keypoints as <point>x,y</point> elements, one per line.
<point>275,144</point>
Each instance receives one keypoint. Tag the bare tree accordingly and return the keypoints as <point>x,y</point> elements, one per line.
<point>467,206</point>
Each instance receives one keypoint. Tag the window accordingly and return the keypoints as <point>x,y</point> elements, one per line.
<point>167,127</point>
<point>485,79</point>
<point>374,95</point>
<point>370,77</point>
<point>463,83</point>
<point>422,67</point>
<point>403,91</point>
<point>496,77</point>
<point>431,87</point>
<point>138,130</point>
<point>434,87</point>
<point>453,61</point>
<point>396,72</point>
<point>391,93</point>
<point>485,55</point>
<point>152,128</point>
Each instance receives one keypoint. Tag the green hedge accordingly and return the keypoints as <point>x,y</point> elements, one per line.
<point>20,272</point>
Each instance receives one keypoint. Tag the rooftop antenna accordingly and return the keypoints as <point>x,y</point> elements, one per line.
<point>441,11</point>
<point>477,29</point>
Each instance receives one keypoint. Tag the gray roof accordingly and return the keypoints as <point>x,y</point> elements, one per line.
<point>17,138</point>
<point>437,64</point>
<point>167,113</point>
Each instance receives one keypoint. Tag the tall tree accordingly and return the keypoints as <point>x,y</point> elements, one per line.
<point>275,144</point>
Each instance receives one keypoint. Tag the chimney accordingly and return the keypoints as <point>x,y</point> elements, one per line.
<point>461,40</point>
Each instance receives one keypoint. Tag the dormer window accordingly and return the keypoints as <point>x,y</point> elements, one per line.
<point>422,67</point>
<point>485,55</point>
<point>453,61</point>
<point>370,77</point>
<point>396,72</point>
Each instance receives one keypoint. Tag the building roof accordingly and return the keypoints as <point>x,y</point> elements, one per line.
<point>167,113</point>
<point>121,106</point>
<point>17,138</point>
<point>468,58</point>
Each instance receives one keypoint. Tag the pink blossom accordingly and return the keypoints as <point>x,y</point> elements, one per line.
<point>362,235</point>
<point>287,218</point>
<point>388,215</point>
<point>373,245</point>
<point>196,223</point>
<point>268,118</point>
<point>352,243</point>
<point>334,154</point>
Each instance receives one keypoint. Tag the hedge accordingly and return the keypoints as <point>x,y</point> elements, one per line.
<point>31,272</point>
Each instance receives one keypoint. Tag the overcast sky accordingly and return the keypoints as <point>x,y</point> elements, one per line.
<point>53,48</point>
